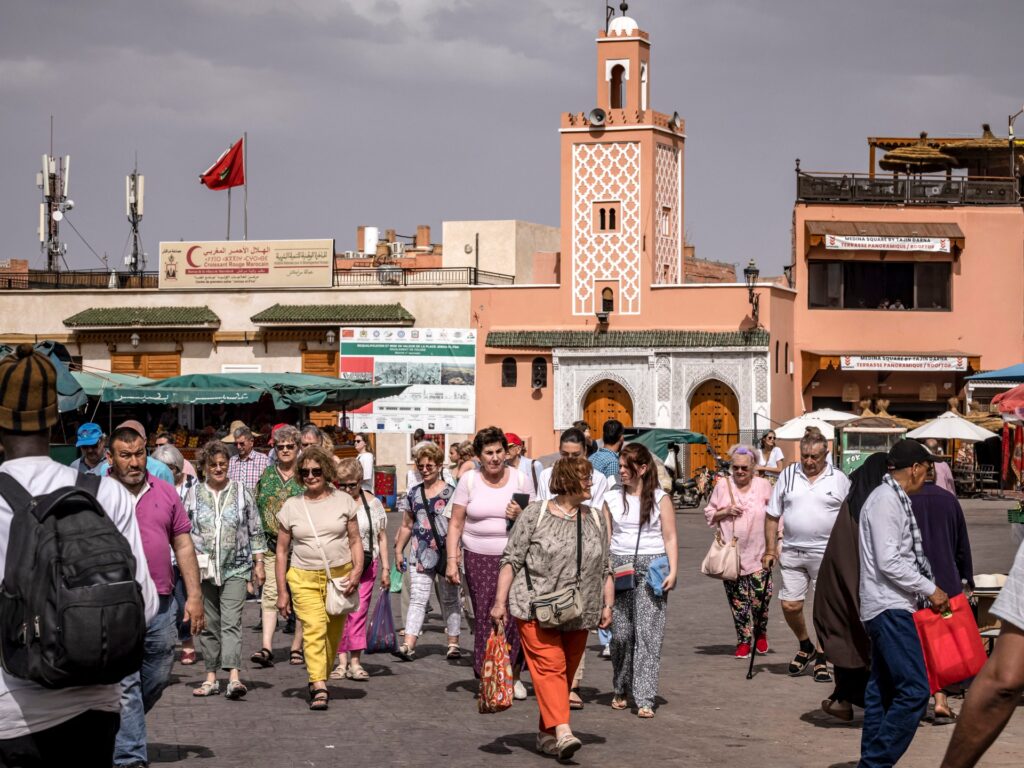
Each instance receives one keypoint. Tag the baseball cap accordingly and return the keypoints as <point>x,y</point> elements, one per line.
<point>89,434</point>
<point>514,439</point>
<point>908,452</point>
<point>133,424</point>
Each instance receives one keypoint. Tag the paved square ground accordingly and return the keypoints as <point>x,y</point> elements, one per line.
<point>423,713</point>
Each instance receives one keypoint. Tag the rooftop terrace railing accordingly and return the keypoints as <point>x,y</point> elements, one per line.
<point>913,190</point>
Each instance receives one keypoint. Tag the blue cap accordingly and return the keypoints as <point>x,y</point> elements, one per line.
<point>89,434</point>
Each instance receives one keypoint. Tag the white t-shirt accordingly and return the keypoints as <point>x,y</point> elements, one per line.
<point>775,457</point>
<point>626,525</point>
<point>810,509</point>
<point>365,460</point>
<point>24,706</point>
<point>597,490</point>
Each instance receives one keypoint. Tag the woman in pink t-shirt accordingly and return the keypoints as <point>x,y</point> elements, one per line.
<point>482,513</point>
<point>738,504</point>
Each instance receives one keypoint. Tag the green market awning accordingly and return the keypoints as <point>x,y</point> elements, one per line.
<point>286,390</point>
<point>658,441</point>
<point>94,382</point>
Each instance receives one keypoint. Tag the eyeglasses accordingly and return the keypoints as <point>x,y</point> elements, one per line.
<point>586,481</point>
<point>769,437</point>
<point>311,472</point>
<point>218,465</point>
<point>286,446</point>
<point>426,467</point>
<point>349,486</point>
<point>308,445</point>
<point>357,440</point>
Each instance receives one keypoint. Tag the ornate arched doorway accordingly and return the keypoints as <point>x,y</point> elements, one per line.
<point>607,400</point>
<point>714,412</point>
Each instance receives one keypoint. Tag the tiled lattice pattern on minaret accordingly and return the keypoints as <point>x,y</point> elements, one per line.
<point>666,194</point>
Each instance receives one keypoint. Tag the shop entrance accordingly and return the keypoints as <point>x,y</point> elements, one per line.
<point>714,412</point>
<point>607,400</point>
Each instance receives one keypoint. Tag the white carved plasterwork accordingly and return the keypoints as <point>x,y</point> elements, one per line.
<point>663,371</point>
<point>667,245</point>
<point>609,171</point>
<point>760,379</point>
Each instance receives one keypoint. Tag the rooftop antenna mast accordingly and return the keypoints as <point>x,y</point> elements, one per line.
<point>53,181</point>
<point>135,187</point>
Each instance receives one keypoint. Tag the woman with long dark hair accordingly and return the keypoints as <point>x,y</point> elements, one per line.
<point>837,595</point>
<point>643,525</point>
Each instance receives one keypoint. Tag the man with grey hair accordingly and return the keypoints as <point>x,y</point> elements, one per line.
<point>808,495</point>
<point>246,467</point>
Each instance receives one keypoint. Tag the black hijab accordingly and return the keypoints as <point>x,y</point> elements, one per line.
<point>864,480</point>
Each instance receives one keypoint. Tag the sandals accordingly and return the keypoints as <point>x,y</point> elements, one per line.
<point>296,658</point>
<point>618,702</point>
<point>645,713</point>
<point>454,652</point>
<point>208,688</point>
<point>264,657</point>
<point>821,673</point>
<point>575,702</point>
<point>800,662</point>
<point>318,698</point>
<point>188,656</point>
<point>357,673</point>
<point>405,653</point>
<point>236,690</point>
<point>944,718</point>
<point>339,673</point>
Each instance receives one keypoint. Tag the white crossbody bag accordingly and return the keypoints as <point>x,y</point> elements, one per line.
<point>337,603</point>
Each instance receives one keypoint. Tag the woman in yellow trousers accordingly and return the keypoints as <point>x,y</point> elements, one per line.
<point>321,529</point>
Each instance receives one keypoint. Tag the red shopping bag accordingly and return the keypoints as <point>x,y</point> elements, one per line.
<point>953,651</point>
<point>496,675</point>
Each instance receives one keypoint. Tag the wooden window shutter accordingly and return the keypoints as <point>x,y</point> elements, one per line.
<point>121,362</point>
<point>154,365</point>
<point>320,362</point>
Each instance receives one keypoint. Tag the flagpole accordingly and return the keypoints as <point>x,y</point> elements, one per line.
<point>229,213</point>
<point>245,165</point>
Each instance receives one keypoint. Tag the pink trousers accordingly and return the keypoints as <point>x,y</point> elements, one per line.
<point>354,638</point>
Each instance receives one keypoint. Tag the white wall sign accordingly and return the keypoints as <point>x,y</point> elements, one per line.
<point>901,363</point>
<point>859,243</point>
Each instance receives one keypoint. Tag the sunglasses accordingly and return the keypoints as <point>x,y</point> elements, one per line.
<point>311,472</point>
<point>218,465</point>
<point>349,486</point>
<point>424,467</point>
<point>286,446</point>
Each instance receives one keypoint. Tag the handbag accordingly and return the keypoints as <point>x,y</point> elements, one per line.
<point>657,572</point>
<point>496,675</point>
<point>951,644</point>
<point>625,575</point>
<point>438,538</point>
<point>723,558</point>
<point>336,602</point>
<point>554,609</point>
<point>381,636</point>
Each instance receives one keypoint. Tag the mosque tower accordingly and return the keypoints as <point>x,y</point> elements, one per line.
<point>622,182</point>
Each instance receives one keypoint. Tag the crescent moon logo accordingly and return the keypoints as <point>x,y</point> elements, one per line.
<point>188,256</point>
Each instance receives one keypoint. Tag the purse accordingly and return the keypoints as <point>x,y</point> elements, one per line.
<point>723,558</point>
<point>438,538</point>
<point>336,602</point>
<point>555,609</point>
<point>625,574</point>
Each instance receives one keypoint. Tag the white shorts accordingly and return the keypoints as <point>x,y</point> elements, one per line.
<point>799,571</point>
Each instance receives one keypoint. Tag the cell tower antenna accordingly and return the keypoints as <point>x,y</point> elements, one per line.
<point>53,181</point>
<point>135,187</point>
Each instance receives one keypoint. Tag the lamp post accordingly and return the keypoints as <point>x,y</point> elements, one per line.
<point>134,339</point>
<point>1013,160</point>
<point>750,275</point>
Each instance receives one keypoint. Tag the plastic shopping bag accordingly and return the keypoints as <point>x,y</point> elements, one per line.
<point>396,579</point>
<point>952,646</point>
<point>381,637</point>
<point>496,675</point>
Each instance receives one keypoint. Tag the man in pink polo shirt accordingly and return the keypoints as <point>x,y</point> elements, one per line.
<point>163,524</point>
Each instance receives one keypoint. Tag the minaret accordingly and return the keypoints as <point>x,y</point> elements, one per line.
<point>622,182</point>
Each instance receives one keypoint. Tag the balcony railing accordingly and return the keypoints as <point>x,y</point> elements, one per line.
<point>396,276</point>
<point>82,278</point>
<point>915,190</point>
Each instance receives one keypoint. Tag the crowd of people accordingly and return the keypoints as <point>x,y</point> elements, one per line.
<point>543,556</point>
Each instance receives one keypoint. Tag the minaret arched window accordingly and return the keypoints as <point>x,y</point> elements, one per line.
<point>509,372</point>
<point>611,220</point>
<point>618,94</point>
<point>607,300</point>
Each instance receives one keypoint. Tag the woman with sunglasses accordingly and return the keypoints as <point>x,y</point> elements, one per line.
<point>738,505</point>
<point>322,530</point>
<point>230,544</point>
<point>424,522</point>
<point>365,458</point>
<point>373,534</point>
<point>278,483</point>
<point>768,457</point>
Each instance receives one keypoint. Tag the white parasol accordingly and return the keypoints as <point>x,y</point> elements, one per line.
<point>794,428</point>
<point>831,416</point>
<point>951,426</point>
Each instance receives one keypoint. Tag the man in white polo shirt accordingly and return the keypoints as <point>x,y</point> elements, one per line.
<point>574,443</point>
<point>806,500</point>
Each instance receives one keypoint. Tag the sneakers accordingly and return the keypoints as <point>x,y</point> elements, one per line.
<point>762,644</point>
<point>519,691</point>
<point>743,651</point>
<point>547,744</point>
<point>606,652</point>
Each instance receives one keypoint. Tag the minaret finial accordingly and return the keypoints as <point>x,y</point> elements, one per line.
<point>623,6</point>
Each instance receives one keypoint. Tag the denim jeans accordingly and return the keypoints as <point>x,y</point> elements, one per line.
<point>184,630</point>
<point>141,690</point>
<point>897,692</point>
<point>604,636</point>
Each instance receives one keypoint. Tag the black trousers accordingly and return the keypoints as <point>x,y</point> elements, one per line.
<point>86,741</point>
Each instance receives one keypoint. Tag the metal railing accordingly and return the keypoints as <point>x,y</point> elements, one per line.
<point>82,278</point>
<point>915,190</point>
<point>396,276</point>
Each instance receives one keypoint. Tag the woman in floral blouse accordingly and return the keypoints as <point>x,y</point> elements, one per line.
<point>230,544</point>
<point>425,505</point>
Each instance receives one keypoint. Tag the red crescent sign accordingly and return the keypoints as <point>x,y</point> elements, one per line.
<point>188,256</point>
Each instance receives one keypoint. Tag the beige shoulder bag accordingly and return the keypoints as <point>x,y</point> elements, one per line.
<point>723,558</point>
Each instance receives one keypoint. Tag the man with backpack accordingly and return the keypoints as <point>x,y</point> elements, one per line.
<point>163,525</point>
<point>59,690</point>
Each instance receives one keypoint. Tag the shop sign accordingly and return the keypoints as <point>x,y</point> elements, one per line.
<point>438,364</point>
<point>247,264</point>
<point>862,243</point>
<point>901,363</point>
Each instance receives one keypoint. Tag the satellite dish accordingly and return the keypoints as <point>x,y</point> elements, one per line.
<point>57,216</point>
<point>597,117</point>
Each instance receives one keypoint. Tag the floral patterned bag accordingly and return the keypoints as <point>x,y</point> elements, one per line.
<point>496,675</point>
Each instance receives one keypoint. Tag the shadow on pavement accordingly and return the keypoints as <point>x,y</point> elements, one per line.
<point>470,686</point>
<point>506,745</point>
<point>337,694</point>
<point>173,753</point>
<point>377,670</point>
<point>819,719</point>
<point>850,764</point>
<point>715,650</point>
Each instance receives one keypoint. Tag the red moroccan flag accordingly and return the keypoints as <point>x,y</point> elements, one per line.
<point>228,171</point>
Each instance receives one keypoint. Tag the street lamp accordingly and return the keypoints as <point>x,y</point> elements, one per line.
<point>134,339</point>
<point>330,337</point>
<point>1013,165</point>
<point>750,275</point>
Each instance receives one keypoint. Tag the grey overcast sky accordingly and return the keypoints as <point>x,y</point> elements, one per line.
<point>399,112</point>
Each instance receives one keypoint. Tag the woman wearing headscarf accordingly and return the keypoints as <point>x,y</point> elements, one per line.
<point>837,595</point>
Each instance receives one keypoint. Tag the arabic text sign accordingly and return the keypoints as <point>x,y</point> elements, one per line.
<point>861,243</point>
<point>247,264</point>
<point>439,364</point>
<point>901,363</point>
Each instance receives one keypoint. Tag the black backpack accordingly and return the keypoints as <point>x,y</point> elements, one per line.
<point>71,612</point>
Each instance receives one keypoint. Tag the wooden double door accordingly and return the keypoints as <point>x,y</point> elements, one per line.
<point>714,412</point>
<point>607,400</point>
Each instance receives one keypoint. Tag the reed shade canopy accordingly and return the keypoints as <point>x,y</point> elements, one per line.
<point>987,142</point>
<point>917,158</point>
